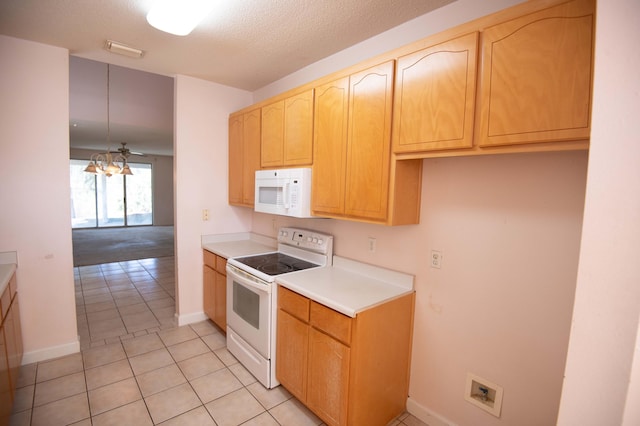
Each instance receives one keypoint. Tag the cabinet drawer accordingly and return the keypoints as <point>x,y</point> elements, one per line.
<point>209,259</point>
<point>293,303</point>
<point>221,265</point>
<point>331,322</point>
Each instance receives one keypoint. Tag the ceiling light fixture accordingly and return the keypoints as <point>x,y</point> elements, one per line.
<point>178,17</point>
<point>123,49</point>
<point>104,163</point>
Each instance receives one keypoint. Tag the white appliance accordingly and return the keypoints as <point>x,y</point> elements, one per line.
<point>284,192</point>
<point>252,296</point>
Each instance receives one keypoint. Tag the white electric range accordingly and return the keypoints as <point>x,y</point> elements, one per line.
<point>252,296</point>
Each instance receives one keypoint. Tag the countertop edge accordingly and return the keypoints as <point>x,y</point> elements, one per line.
<point>386,284</point>
<point>238,244</point>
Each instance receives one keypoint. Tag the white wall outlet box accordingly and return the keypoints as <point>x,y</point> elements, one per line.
<point>484,394</point>
<point>436,259</point>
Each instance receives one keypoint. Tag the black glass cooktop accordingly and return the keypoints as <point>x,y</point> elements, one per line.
<point>275,263</point>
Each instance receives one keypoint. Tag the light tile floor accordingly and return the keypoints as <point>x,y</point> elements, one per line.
<point>136,367</point>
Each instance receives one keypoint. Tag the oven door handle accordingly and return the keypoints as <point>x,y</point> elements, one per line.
<point>248,280</point>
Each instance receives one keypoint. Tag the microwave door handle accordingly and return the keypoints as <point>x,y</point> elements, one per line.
<point>287,196</point>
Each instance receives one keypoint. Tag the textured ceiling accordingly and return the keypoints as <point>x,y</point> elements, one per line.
<point>245,44</point>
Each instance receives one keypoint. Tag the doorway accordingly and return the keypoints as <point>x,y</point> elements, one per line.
<point>98,201</point>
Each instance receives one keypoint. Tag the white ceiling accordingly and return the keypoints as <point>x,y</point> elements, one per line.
<point>245,44</point>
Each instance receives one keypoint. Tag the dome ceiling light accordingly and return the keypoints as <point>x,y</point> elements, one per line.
<point>178,17</point>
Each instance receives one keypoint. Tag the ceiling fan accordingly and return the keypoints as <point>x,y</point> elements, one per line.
<point>125,152</point>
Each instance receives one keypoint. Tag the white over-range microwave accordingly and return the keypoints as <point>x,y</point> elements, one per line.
<point>284,192</point>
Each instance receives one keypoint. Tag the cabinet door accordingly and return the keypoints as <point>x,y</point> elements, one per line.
<point>298,129</point>
<point>11,341</point>
<point>369,142</point>
<point>328,378</point>
<point>272,137</point>
<point>435,97</point>
<point>236,126</point>
<point>17,326</point>
<point>536,76</point>
<point>330,147</point>
<point>6,397</point>
<point>220,301</point>
<point>208,291</point>
<point>251,155</point>
<point>292,354</point>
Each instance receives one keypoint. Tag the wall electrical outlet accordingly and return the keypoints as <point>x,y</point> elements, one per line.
<point>205,214</point>
<point>436,259</point>
<point>484,394</point>
<point>372,244</point>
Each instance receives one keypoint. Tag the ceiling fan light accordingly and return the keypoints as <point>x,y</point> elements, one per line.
<point>91,168</point>
<point>126,170</point>
<point>178,17</point>
<point>112,169</point>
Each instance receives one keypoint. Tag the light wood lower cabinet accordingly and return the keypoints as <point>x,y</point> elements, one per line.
<point>215,288</point>
<point>10,349</point>
<point>348,371</point>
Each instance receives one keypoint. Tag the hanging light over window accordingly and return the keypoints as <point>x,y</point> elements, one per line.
<point>105,163</point>
<point>178,17</point>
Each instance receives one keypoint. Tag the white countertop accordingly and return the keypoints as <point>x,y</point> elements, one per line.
<point>8,265</point>
<point>348,287</point>
<point>238,244</point>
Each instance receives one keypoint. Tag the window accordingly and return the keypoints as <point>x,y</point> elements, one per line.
<point>119,200</point>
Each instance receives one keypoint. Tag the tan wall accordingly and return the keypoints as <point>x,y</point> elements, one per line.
<point>34,189</point>
<point>500,307</point>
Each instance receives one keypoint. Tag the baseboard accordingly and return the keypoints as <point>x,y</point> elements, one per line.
<point>191,318</point>
<point>51,352</point>
<point>427,416</point>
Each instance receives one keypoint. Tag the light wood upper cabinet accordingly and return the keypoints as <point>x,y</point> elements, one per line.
<point>251,156</point>
<point>287,131</point>
<point>272,137</point>
<point>352,145</point>
<point>244,156</point>
<point>330,147</point>
<point>435,93</point>
<point>298,129</point>
<point>236,128</point>
<point>536,76</point>
<point>369,142</point>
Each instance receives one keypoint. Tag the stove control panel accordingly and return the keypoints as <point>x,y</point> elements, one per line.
<point>306,239</point>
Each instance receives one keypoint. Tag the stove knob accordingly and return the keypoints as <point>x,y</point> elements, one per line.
<point>320,242</point>
<point>284,233</point>
<point>309,239</point>
<point>315,241</point>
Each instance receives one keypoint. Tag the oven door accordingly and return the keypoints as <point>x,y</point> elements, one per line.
<point>249,309</point>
